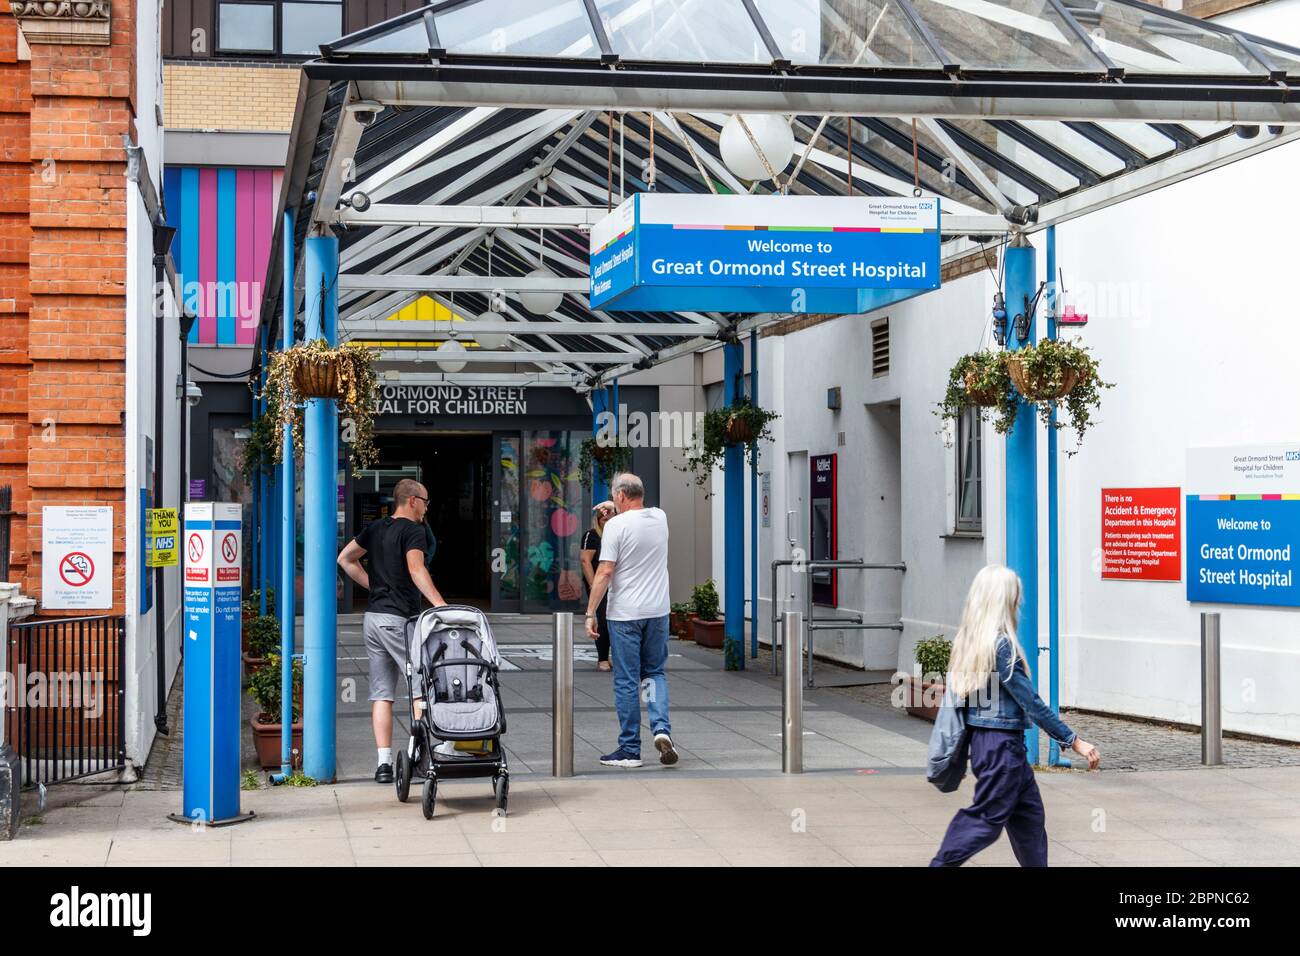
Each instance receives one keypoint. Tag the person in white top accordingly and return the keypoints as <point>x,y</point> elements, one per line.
<point>634,570</point>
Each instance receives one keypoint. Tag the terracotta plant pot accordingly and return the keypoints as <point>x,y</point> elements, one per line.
<point>252,665</point>
<point>708,633</point>
<point>739,431</point>
<point>923,698</point>
<point>266,738</point>
<point>316,380</point>
<point>980,397</point>
<point>679,625</point>
<point>1037,389</point>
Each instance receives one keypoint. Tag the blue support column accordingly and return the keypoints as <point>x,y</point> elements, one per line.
<point>254,553</point>
<point>320,479</point>
<point>1054,758</point>
<point>263,535</point>
<point>599,406</point>
<point>288,532</point>
<point>1022,471</point>
<point>733,506</point>
<point>753,509</point>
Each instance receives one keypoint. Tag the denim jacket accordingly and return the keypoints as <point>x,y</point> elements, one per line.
<point>1014,703</point>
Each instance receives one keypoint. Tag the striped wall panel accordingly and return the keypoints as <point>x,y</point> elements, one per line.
<point>224,219</point>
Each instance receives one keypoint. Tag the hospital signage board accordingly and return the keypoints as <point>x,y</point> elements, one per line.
<point>1243,524</point>
<point>1141,534</point>
<point>659,252</point>
<point>76,558</point>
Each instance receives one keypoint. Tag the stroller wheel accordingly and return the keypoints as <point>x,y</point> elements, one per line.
<point>402,778</point>
<point>430,792</point>
<point>501,787</point>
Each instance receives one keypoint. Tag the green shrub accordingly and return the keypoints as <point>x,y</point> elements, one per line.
<point>932,655</point>
<point>263,635</point>
<point>264,686</point>
<point>252,605</point>
<point>704,601</point>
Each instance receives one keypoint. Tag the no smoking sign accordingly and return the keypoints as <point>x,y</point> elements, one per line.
<point>76,569</point>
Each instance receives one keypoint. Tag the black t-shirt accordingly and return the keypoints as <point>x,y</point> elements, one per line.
<point>387,542</point>
<point>591,542</point>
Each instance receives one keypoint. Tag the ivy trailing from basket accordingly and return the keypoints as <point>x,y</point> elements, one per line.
<point>259,452</point>
<point>980,380</point>
<point>1052,372</point>
<point>608,460</point>
<point>742,423</point>
<point>1047,374</point>
<point>315,370</point>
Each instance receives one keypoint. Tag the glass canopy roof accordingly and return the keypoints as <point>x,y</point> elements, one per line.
<point>1113,37</point>
<point>464,121</point>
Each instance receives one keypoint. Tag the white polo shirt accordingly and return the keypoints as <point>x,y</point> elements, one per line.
<point>637,542</point>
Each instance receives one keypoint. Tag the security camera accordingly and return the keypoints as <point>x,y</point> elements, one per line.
<point>365,117</point>
<point>193,394</point>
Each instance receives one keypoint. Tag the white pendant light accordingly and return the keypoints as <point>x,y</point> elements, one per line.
<point>541,303</point>
<point>491,341</point>
<point>450,347</point>
<point>774,138</point>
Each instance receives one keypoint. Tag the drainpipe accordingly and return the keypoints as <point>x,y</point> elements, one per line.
<point>1054,758</point>
<point>753,505</point>
<point>162,240</point>
<point>288,541</point>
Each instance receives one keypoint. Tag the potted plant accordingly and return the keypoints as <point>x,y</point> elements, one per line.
<point>264,686</point>
<point>707,627</point>
<point>679,620</point>
<point>923,695</point>
<point>1052,373</point>
<point>981,380</point>
<point>250,608</point>
<point>263,634</point>
<point>315,370</point>
<point>742,423</point>
<point>607,460</point>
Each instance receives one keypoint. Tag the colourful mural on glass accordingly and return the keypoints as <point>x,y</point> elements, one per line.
<point>554,504</point>
<point>509,502</point>
<point>224,220</point>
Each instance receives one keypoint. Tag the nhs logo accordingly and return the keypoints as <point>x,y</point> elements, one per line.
<point>1293,456</point>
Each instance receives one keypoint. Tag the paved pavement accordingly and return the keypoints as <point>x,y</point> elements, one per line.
<point>864,800</point>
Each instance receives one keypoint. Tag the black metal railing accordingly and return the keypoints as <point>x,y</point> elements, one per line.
<point>6,515</point>
<point>66,718</point>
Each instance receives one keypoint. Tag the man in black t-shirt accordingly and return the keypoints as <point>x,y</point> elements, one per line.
<point>396,580</point>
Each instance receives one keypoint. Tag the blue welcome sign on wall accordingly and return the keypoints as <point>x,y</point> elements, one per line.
<point>672,253</point>
<point>1243,524</point>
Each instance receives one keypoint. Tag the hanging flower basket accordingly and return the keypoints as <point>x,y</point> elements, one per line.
<point>980,380</point>
<point>607,460</point>
<point>743,423</point>
<point>315,370</point>
<point>982,396</point>
<point>1046,386</point>
<point>317,379</point>
<point>740,431</point>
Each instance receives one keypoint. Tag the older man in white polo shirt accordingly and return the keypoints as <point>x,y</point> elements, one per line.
<point>634,570</point>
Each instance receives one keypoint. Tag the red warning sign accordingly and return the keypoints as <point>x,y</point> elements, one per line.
<point>1141,534</point>
<point>76,569</point>
<point>194,547</point>
<point>229,569</point>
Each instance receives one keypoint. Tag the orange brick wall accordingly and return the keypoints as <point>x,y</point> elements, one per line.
<point>64,120</point>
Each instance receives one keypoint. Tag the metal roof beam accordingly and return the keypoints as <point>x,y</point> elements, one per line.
<point>415,329</point>
<point>390,282</point>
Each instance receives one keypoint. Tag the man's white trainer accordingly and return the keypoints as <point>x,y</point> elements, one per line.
<point>667,752</point>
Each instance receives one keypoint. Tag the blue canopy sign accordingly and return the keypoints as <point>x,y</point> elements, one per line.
<point>675,253</point>
<point>1243,524</point>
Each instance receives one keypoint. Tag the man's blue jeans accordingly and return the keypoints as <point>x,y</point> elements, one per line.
<point>639,650</point>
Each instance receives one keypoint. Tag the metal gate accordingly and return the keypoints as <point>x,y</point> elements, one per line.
<point>65,716</point>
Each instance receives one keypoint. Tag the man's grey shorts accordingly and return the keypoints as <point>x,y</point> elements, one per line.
<point>386,648</point>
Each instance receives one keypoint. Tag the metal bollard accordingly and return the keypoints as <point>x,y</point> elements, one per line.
<point>792,695</point>
<point>1211,692</point>
<point>562,695</point>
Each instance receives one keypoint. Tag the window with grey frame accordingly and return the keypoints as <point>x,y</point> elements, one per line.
<point>284,27</point>
<point>970,472</point>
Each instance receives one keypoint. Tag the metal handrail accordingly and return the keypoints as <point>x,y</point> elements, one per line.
<point>812,624</point>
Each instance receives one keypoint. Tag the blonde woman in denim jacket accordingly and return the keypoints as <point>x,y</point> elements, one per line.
<point>998,712</point>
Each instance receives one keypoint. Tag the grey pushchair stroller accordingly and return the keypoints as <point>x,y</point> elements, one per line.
<point>452,662</point>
